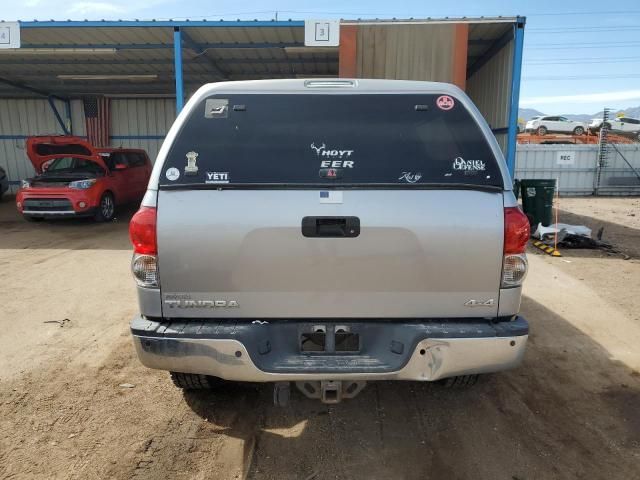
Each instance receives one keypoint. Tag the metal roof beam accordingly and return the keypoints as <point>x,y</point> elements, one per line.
<point>156,46</point>
<point>495,47</point>
<point>37,76</point>
<point>63,125</point>
<point>230,61</point>
<point>29,88</point>
<point>201,52</point>
<point>106,86</point>
<point>162,24</point>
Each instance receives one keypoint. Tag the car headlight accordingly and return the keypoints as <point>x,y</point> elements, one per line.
<point>82,184</point>
<point>25,184</point>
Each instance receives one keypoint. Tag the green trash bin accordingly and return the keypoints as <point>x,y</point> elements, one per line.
<point>537,200</point>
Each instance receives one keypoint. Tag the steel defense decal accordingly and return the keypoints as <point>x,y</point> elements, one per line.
<point>469,165</point>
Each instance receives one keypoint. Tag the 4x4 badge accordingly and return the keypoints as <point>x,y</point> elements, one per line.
<point>479,303</point>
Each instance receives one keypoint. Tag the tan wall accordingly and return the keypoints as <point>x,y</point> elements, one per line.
<point>490,90</point>
<point>406,52</point>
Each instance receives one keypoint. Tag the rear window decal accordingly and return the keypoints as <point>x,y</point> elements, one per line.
<point>410,177</point>
<point>445,102</point>
<point>324,152</point>
<point>217,177</point>
<point>336,164</point>
<point>216,108</point>
<point>173,174</point>
<point>191,168</point>
<point>469,165</point>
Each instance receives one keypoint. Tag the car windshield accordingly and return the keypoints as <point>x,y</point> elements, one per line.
<point>73,165</point>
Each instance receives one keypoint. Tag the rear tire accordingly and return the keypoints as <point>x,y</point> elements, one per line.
<point>191,381</point>
<point>106,208</point>
<point>541,131</point>
<point>578,131</point>
<point>461,381</point>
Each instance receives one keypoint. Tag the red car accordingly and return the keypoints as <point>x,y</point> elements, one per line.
<point>76,179</point>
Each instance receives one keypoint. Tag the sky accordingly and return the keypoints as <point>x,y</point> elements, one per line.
<point>579,56</point>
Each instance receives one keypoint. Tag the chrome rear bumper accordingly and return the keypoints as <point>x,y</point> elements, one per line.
<point>428,359</point>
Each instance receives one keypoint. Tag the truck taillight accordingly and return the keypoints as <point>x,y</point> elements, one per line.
<point>516,236</point>
<point>142,232</point>
<point>516,230</point>
<point>145,270</point>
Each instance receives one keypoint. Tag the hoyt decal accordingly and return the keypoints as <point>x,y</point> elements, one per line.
<point>333,158</point>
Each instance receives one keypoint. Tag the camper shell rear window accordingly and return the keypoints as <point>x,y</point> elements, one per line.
<point>313,140</point>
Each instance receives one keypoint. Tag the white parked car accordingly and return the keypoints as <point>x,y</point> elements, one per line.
<point>595,125</point>
<point>548,124</point>
<point>624,125</point>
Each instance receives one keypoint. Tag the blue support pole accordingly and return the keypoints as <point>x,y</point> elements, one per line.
<point>516,74</point>
<point>57,115</point>
<point>177,58</point>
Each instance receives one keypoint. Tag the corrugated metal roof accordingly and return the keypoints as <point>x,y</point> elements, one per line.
<point>239,50</point>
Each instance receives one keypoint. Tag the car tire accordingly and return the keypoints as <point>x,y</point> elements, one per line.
<point>578,131</point>
<point>461,381</point>
<point>192,381</point>
<point>541,131</point>
<point>106,209</point>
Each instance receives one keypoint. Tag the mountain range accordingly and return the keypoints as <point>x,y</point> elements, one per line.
<point>527,113</point>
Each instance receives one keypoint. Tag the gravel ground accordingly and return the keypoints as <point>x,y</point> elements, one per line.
<point>66,411</point>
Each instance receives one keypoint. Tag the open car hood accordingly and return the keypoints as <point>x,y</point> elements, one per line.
<point>41,150</point>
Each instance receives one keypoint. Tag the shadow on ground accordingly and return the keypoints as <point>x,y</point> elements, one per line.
<point>624,239</point>
<point>570,411</point>
<point>72,233</point>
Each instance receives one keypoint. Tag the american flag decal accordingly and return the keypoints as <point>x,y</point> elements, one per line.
<point>98,121</point>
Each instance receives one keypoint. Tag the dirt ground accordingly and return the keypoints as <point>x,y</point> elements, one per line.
<point>572,410</point>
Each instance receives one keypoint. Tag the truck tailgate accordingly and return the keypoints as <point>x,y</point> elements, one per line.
<point>238,253</point>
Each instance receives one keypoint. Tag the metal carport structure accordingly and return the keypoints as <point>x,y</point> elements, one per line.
<point>143,65</point>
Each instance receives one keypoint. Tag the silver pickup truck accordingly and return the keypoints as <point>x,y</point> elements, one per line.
<point>326,233</point>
